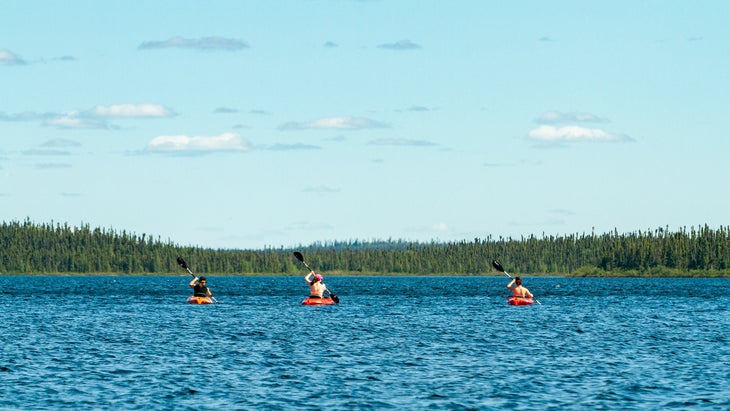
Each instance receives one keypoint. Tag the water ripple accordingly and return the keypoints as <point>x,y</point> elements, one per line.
<point>599,344</point>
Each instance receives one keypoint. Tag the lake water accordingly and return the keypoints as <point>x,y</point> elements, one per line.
<point>405,343</point>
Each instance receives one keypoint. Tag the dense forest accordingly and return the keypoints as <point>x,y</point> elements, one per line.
<point>31,248</point>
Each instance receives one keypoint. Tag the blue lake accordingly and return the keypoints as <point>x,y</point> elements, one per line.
<point>406,343</point>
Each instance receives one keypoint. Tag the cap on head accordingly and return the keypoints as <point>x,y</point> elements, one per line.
<point>318,277</point>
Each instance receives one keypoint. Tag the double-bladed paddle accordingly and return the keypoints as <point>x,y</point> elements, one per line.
<point>499,267</point>
<point>184,265</point>
<point>300,257</point>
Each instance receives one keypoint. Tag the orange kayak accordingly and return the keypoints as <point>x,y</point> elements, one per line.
<point>318,301</point>
<point>199,300</point>
<point>519,301</point>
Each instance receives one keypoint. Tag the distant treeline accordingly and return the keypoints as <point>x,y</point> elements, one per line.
<point>31,248</point>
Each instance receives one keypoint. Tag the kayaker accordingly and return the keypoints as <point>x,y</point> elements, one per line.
<point>200,289</point>
<point>517,289</point>
<point>316,286</point>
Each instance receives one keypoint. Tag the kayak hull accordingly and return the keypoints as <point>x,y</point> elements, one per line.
<point>318,301</point>
<point>520,301</point>
<point>199,300</point>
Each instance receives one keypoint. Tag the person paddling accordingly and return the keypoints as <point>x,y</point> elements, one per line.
<point>517,289</point>
<point>200,289</point>
<point>316,286</point>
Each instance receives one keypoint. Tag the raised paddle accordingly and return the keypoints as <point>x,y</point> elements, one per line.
<point>499,267</point>
<point>184,265</point>
<point>300,257</point>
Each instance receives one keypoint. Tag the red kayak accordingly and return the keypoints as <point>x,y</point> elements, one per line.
<point>519,300</point>
<point>199,300</point>
<point>318,301</point>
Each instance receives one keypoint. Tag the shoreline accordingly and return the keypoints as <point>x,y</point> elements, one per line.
<point>694,274</point>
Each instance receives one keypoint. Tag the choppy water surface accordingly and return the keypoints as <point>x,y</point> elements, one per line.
<point>393,343</point>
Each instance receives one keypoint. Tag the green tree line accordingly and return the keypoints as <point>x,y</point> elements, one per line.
<point>31,248</point>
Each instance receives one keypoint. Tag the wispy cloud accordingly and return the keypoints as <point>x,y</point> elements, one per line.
<point>438,227</point>
<point>347,123</point>
<point>552,134</point>
<point>198,144</point>
<point>95,117</point>
<point>330,44</point>
<point>561,212</point>
<point>418,108</point>
<point>321,189</point>
<point>288,147</point>
<point>401,45</point>
<point>45,166</point>
<point>98,116</point>
<point>401,142</point>
<point>26,116</point>
<point>225,110</point>
<point>45,152</point>
<point>554,117</point>
<point>61,143</point>
<point>204,44</point>
<point>310,226</point>
<point>8,58</point>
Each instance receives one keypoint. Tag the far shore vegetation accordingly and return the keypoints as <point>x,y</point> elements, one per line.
<point>28,248</point>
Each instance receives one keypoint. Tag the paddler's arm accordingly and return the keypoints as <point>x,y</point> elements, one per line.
<point>193,282</point>
<point>308,278</point>
<point>511,284</point>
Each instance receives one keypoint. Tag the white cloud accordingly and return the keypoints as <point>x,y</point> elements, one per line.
<point>340,123</point>
<point>180,143</point>
<point>131,110</point>
<point>97,116</point>
<point>74,119</point>
<point>8,58</point>
<point>551,134</point>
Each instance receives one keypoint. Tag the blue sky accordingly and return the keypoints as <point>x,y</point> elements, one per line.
<point>251,124</point>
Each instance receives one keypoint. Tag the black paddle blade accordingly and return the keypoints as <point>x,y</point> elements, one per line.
<point>497,265</point>
<point>182,263</point>
<point>335,298</point>
<point>299,256</point>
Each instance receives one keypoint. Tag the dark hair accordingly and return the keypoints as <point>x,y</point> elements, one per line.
<point>518,280</point>
<point>202,279</point>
